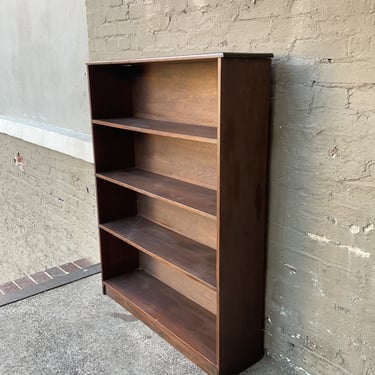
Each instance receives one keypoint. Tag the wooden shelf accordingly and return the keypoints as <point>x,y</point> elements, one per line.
<point>165,128</point>
<point>193,197</point>
<point>194,259</point>
<point>168,312</point>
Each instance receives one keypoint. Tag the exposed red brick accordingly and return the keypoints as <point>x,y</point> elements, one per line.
<point>55,272</point>
<point>24,282</point>
<point>84,262</point>
<point>69,267</point>
<point>40,277</point>
<point>9,287</point>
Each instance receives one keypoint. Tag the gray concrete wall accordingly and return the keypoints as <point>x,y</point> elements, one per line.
<point>321,254</point>
<point>42,61</point>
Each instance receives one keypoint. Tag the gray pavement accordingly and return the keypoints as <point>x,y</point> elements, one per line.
<point>75,330</point>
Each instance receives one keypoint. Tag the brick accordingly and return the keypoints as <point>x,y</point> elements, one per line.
<point>116,2</point>
<point>136,11</point>
<point>115,14</point>
<point>330,98</point>
<point>9,287</point>
<point>40,277</point>
<point>69,267</point>
<point>55,272</point>
<point>107,29</point>
<point>24,282</point>
<point>363,100</point>
<point>124,42</point>
<point>84,262</point>
<point>302,26</point>
<point>347,72</point>
<point>319,49</point>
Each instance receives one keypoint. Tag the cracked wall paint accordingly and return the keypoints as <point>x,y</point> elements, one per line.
<point>323,240</point>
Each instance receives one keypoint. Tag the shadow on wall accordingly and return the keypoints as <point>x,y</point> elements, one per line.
<point>320,283</point>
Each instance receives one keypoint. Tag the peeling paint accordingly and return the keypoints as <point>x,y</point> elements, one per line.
<point>354,229</point>
<point>323,240</point>
<point>292,269</point>
<point>368,228</point>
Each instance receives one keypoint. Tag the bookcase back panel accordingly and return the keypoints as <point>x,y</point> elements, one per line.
<point>189,224</point>
<point>177,92</point>
<point>192,289</point>
<point>193,162</point>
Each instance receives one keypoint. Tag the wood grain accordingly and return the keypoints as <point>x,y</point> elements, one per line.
<point>118,257</point>
<point>175,317</point>
<point>192,197</point>
<point>245,88</point>
<point>196,291</point>
<point>113,148</point>
<point>182,142</point>
<point>197,227</point>
<point>177,92</point>
<point>110,89</point>
<point>188,161</point>
<point>164,128</point>
<point>192,57</point>
<point>192,258</point>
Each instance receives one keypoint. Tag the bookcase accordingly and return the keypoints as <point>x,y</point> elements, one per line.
<point>180,148</point>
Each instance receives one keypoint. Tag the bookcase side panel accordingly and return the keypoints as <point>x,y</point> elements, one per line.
<point>245,88</point>
<point>110,90</point>
<point>117,256</point>
<point>113,148</point>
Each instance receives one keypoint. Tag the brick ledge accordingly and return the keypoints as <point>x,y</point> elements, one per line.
<point>51,278</point>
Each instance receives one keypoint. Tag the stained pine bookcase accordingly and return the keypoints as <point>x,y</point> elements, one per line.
<point>180,148</point>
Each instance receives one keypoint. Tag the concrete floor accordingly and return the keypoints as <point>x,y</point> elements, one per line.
<point>76,330</point>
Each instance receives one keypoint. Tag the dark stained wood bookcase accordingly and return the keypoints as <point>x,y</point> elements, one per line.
<point>181,159</point>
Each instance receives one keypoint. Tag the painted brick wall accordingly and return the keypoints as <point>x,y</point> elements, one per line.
<point>321,249</point>
<point>48,212</point>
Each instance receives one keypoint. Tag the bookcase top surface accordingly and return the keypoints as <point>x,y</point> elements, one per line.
<point>205,56</point>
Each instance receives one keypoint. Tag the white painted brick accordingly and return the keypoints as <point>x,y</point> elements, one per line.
<point>253,29</point>
<point>330,98</point>
<point>107,29</point>
<point>137,11</point>
<point>348,73</point>
<point>319,49</point>
<point>36,226</point>
<point>363,100</point>
<point>128,27</point>
<point>116,2</point>
<point>263,9</point>
<point>124,42</point>
<point>115,14</point>
<point>302,26</point>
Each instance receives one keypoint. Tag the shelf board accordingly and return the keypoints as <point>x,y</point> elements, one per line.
<point>194,259</point>
<point>193,197</point>
<point>175,317</point>
<point>165,128</point>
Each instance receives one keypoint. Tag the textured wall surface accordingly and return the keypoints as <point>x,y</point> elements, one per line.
<point>42,62</point>
<point>48,212</point>
<point>320,305</point>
